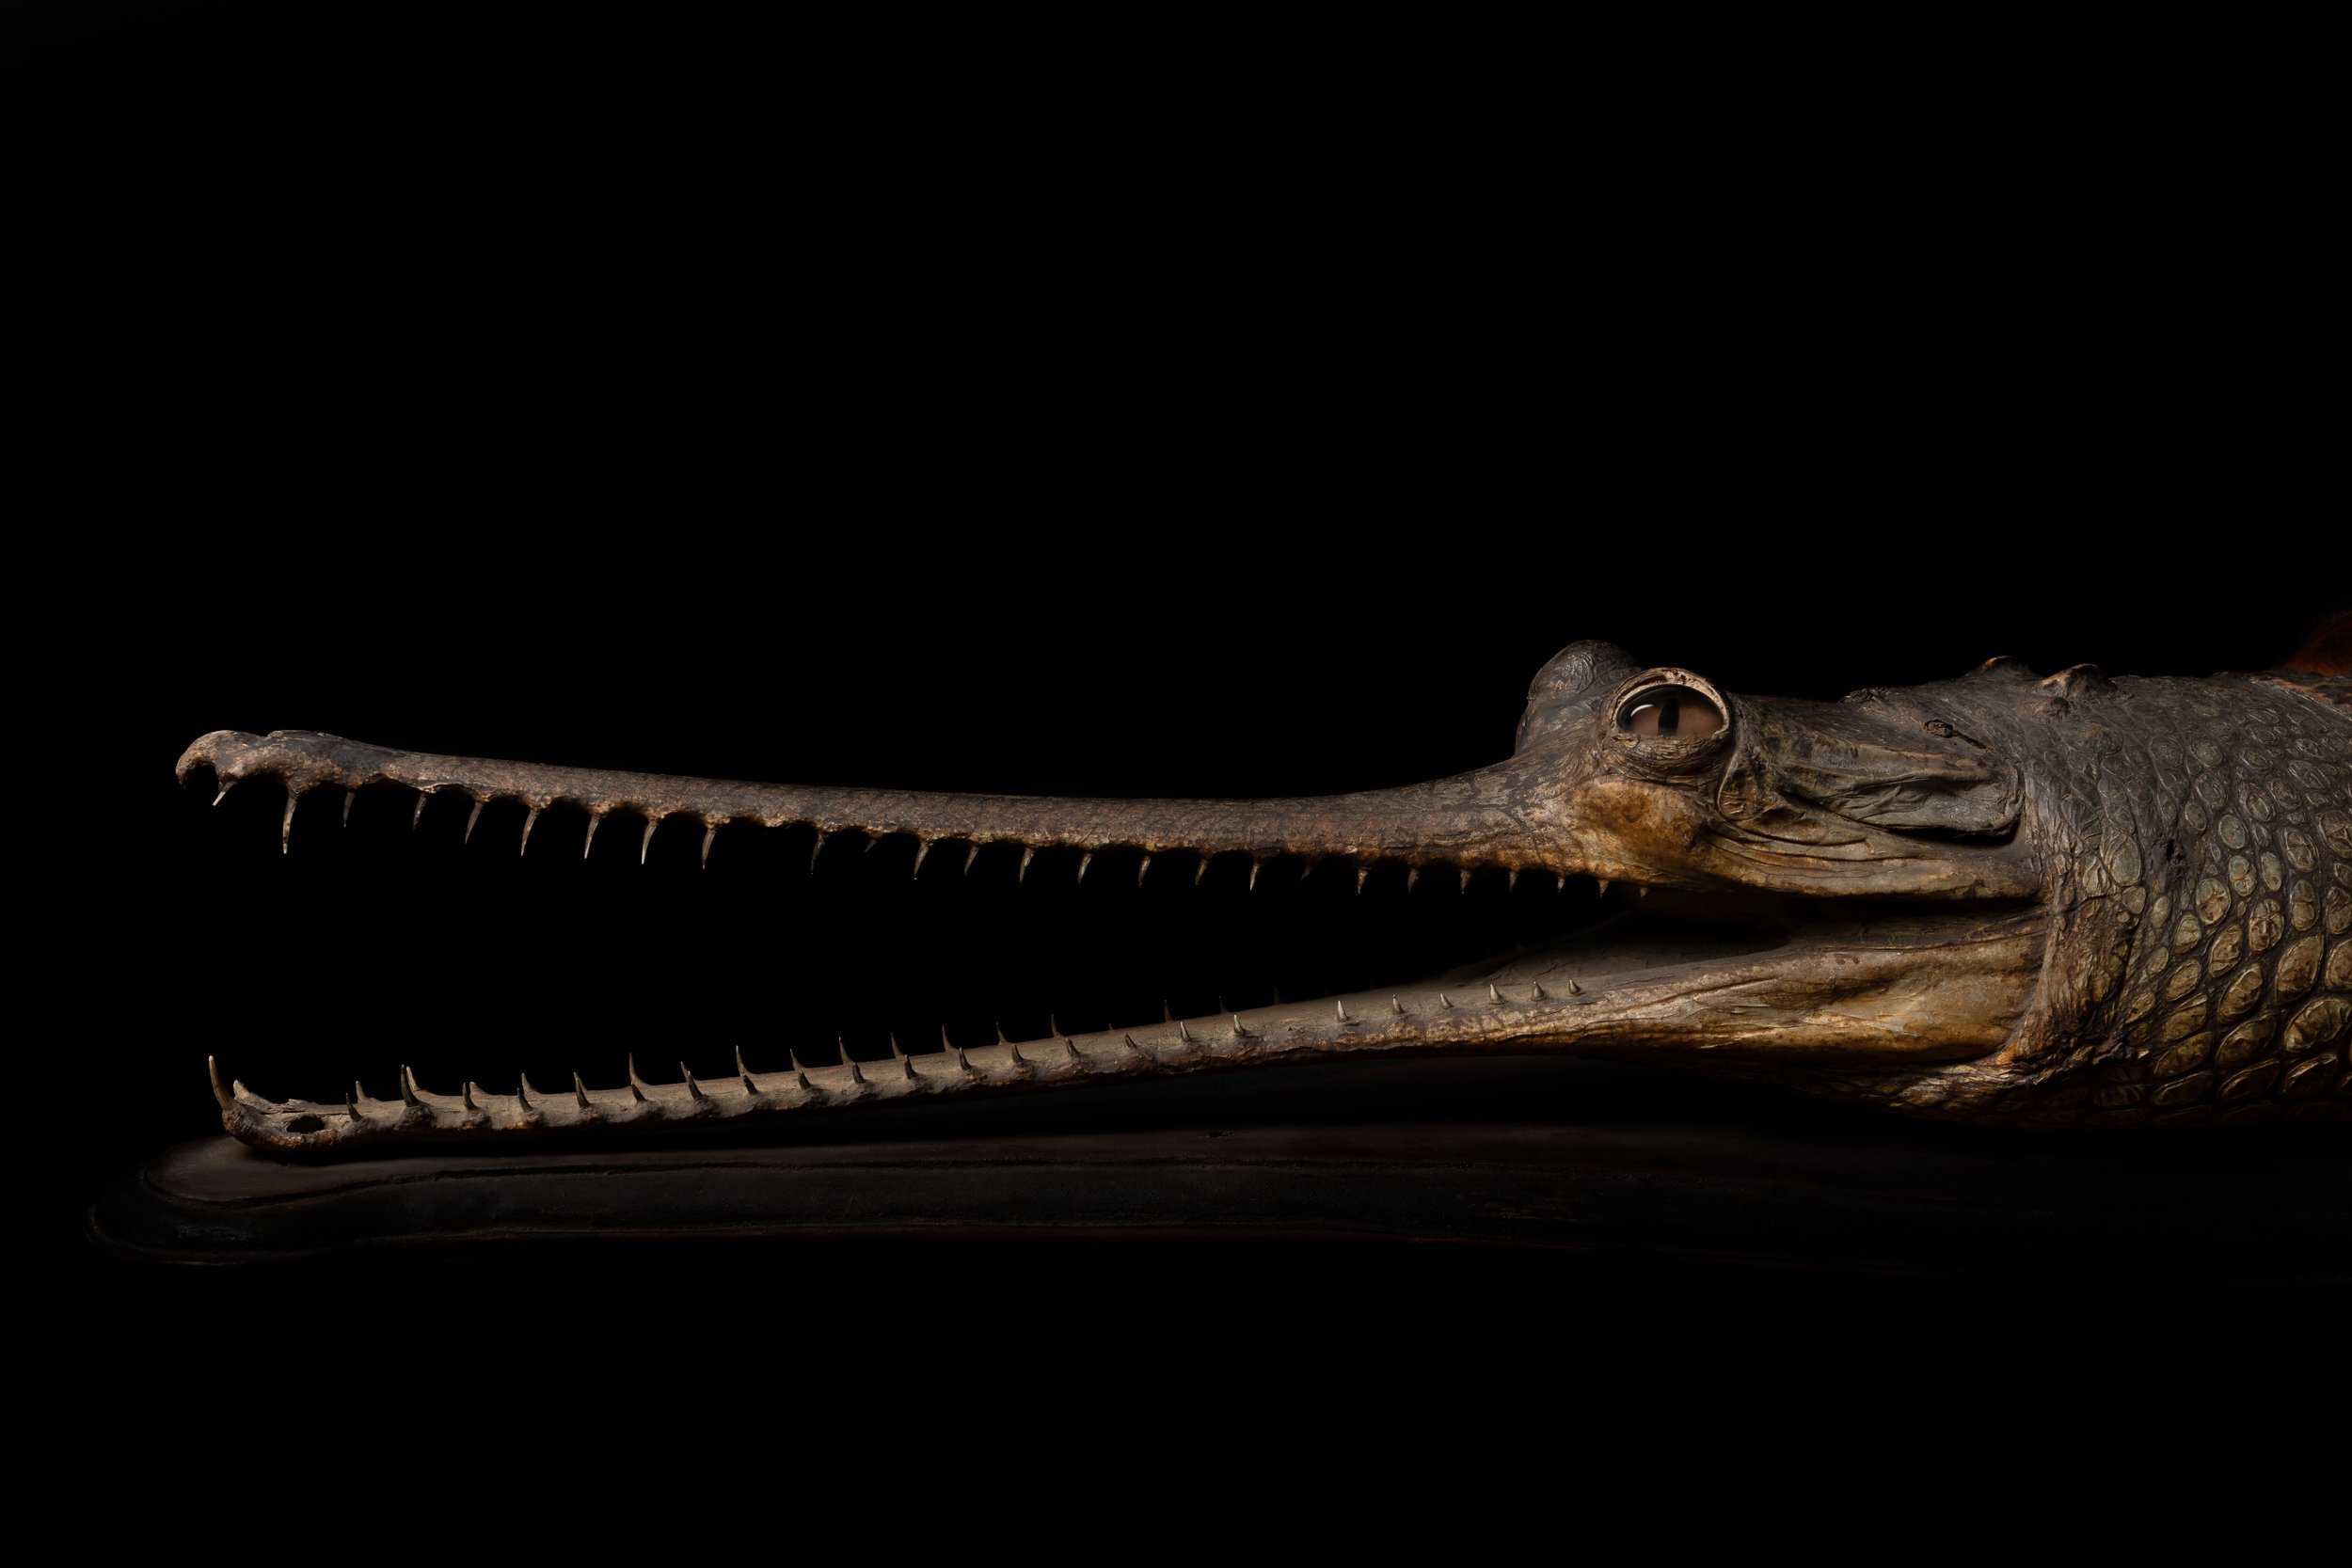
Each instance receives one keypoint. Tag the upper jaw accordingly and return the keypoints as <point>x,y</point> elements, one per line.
<point>1491,816</point>
<point>1523,813</point>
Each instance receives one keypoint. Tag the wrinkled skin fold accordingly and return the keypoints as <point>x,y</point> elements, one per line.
<point>2002,899</point>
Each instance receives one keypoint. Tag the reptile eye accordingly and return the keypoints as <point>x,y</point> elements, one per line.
<point>1670,711</point>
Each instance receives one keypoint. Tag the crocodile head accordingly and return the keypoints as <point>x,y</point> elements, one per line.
<point>1934,899</point>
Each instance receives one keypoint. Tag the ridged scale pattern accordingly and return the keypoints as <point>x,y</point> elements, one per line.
<point>2199,836</point>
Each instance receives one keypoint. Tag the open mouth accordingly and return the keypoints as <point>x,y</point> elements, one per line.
<point>781,949</point>
<point>871,961</point>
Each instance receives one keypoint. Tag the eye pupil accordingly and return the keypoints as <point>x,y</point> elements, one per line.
<point>1670,712</point>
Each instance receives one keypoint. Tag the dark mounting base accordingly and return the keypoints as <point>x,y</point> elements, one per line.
<point>1598,1157</point>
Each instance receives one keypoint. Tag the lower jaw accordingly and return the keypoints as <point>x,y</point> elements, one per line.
<point>1623,979</point>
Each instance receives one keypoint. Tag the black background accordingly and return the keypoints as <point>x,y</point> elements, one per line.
<point>920,410</point>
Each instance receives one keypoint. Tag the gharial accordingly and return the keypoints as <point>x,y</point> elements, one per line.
<point>2001,898</point>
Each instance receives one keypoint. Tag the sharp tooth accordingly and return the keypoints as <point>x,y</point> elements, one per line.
<point>645,843</point>
<point>408,1086</point>
<point>1493,995</point>
<point>522,1094</point>
<point>1539,994</point>
<point>1604,887</point>
<point>1239,1033</point>
<point>349,796</point>
<point>970,855</point>
<point>220,1090</point>
<point>1138,1050</point>
<point>1072,1048</point>
<point>922,847</point>
<point>799,1073</point>
<point>745,1073</point>
<point>1341,1008</point>
<point>906,1065</point>
<point>816,849</point>
<point>1395,1007</point>
<point>531,820</point>
<point>1412,877</point>
<point>895,1054</point>
<point>1084,861</point>
<point>417,815</point>
<point>1575,989</point>
<point>472,818</point>
<point>636,1084</point>
<point>1255,867</point>
<point>1141,869</point>
<point>710,830</point>
<point>1201,869</point>
<point>1444,1001</point>
<point>1183,1033</point>
<point>466,1093</point>
<point>693,1090</point>
<point>351,1106</point>
<point>1511,884</point>
<point>580,1091</point>
<point>1018,1060</point>
<point>1466,876</point>
<point>1361,872</point>
<point>1028,853</point>
<point>224,792</point>
<point>1560,882</point>
<point>847,1060</point>
<point>285,825</point>
<point>595,817</point>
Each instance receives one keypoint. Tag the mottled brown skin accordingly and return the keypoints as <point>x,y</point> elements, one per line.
<point>1999,900</point>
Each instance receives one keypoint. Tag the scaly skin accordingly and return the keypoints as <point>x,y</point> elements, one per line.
<point>1996,899</point>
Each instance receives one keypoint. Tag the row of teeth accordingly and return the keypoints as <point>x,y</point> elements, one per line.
<point>923,845</point>
<point>1056,1052</point>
